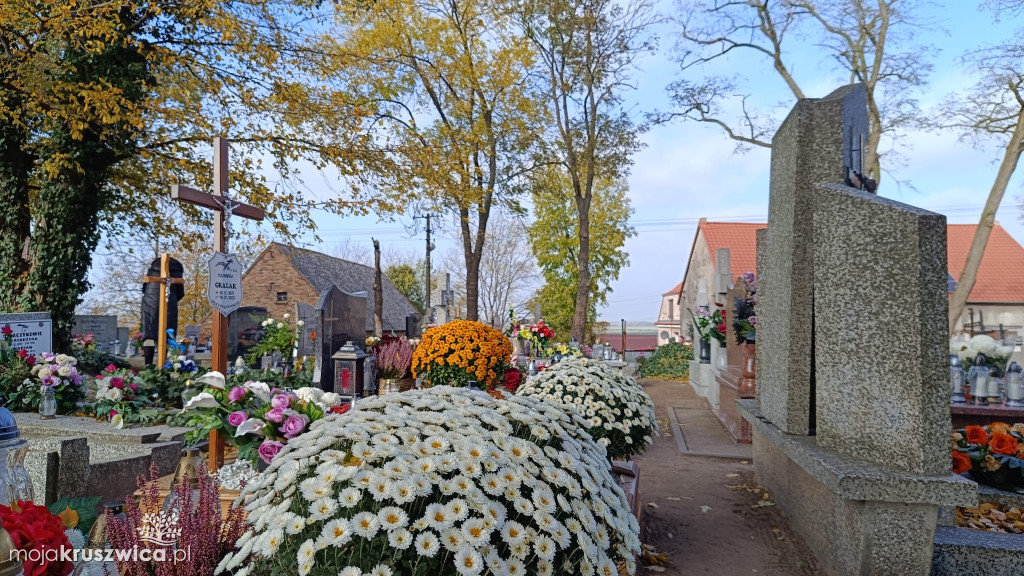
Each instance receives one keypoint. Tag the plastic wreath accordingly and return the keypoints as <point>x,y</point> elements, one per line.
<point>445,482</point>
<point>34,528</point>
<point>615,409</point>
<point>461,351</point>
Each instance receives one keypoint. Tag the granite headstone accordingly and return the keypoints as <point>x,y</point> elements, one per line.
<point>344,320</point>
<point>244,330</point>
<point>812,145</point>
<point>103,328</point>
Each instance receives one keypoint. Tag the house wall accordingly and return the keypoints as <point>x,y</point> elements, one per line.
<point>700,269</point>
<point>269,274</point>
<point>668,323</point>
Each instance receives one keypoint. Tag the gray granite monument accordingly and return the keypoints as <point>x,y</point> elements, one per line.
<point>851,346</point>
<point>103,329</point>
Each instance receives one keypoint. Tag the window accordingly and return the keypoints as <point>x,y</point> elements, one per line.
<point>282,296</point>
<point>671,310</point>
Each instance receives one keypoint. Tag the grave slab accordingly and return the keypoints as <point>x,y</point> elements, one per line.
<point>880,353</point>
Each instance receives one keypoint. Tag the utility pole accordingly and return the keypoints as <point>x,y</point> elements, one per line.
<point>430,247</point>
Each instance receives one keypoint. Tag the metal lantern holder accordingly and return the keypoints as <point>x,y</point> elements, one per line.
<point>1014,386</point>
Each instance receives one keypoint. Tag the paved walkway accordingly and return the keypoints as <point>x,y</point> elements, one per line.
<point>708,514</point>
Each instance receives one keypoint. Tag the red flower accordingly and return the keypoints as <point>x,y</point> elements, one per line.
<point>116,382</point>
<point>111,368</point>
<point>721,328</point>
<point>22,353</point>
<point>976,435</point>
<point>7,330</point>
<point>340,409</point>
<point>31,361</point>
<point>34,527</point>
<point>513,378</point>
<point>961,462</point>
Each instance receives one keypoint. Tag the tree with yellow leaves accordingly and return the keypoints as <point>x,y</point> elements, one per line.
<point>442,88</point>
<point>103,105</point>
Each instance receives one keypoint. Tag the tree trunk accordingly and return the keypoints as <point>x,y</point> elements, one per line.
<point>378,292</point>
<point>15,215</point>
<point>579,319</point>
<point>988,216</point>
<point>473,286</point>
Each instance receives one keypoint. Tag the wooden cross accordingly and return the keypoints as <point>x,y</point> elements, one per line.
<point>164,280</point>
<point>220,204</point>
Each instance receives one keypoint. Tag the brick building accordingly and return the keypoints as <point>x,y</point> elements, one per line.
<point>282,276</point>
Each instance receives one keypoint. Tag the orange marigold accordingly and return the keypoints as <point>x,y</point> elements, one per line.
<point>999,427</point>
<point>476,348</point>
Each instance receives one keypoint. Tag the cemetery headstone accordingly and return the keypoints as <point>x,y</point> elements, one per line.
<point>103,328</point>
<point>124,335</point>
<point>344,320</point>
<point>307,335</point>
<point>812,145</point>
<point>244,330</point>
<point>32,331</point>
<point>851,346</point>
<point>413,323</point>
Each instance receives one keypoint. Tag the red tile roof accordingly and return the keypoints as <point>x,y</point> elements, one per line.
<point>1001,275</point>
<point>741,240</point>
<point>676,290</point>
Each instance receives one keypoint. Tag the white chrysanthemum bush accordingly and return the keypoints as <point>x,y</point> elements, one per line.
<point>444,481</point>
<point>615,409</point>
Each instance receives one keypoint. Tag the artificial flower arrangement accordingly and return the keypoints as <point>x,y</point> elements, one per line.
<point>122,398</point>
<point>993,454</point>
<point>744,321</point>
<point>15,363</point>
<point>277,336</point>
<point>564,349</point>
<point>442,481</point>
<point>539,334</point>
<point>34,527</point>
<point>84,342</point>
<point>193,523</point>
<point>615,409</point>
<point>513,379</point>
<point>996,355</point>
<point>461,351</point>
<point>702,323</point>
<point>56,371</point>
<point>257,419</point>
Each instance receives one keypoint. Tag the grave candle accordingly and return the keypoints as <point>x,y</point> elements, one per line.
<point>1014,385</point>
<point>981,388</point>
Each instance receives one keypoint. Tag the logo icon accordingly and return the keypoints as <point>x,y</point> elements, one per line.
<point>160,528</point>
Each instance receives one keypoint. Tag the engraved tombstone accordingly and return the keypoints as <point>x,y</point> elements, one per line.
<point>244,330</point>
<point>344,320</point>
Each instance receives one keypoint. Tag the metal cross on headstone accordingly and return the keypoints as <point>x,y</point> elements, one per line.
<point>223,207</point>
<point>447,295</point>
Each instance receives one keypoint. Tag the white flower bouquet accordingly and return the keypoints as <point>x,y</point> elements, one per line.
<point>440,482</point>
<point>615,409</point>
<point>996,354</point>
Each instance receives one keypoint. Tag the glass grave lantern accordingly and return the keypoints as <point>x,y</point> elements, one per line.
<point>956,380</point>
<point>1014,386</point>
<point>995,394</point>
<point>978,377</point>
<point>349,361</point>
<point>15,483</point>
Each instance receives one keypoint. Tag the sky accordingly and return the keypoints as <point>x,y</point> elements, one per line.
<point>689,171</point>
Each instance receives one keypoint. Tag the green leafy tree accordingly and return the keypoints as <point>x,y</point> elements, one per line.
<point>554,238</point>
<point>409,282</point>
<point>587,51</point>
